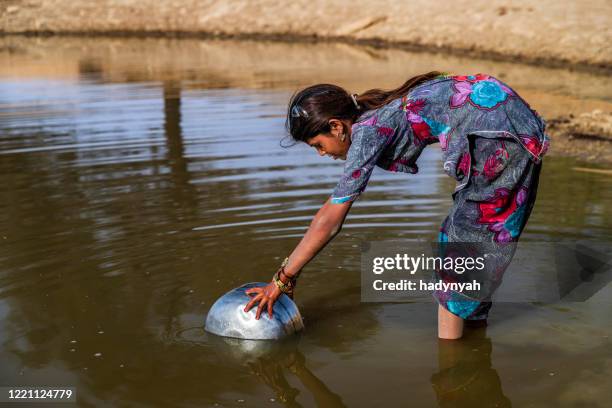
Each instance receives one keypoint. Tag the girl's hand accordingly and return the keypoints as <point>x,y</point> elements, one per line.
<point>266,295</point>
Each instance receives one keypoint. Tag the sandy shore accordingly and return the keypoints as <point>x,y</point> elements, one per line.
<point>551,32</point>
<point>587,136</point>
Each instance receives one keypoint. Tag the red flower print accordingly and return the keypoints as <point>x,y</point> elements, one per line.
<point>464,163</point>
<point>495,163</point>
<point>412,168</point>
<point>412,106</point>
<point>385,131</point>
<point>356,174</point>
<point>532,144</point>
<point>470,78</point>
<point>412,109</point>
<point>504,213</point>
<point>415,106</point>
<point>422,132</point>
<point>498,208</point>
<point>490,167</point>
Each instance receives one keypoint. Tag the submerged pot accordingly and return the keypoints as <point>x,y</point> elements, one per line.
<point>227,317</point>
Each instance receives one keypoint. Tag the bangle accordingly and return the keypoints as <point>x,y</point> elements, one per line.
<point>284,287</point>
<point>291,280</point>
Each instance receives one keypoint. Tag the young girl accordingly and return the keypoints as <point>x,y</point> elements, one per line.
<point>492,144</point>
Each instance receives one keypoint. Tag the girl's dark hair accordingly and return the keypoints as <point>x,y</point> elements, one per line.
<point>311,108</point>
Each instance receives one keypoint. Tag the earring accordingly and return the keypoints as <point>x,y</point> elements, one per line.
<point>342,137</point>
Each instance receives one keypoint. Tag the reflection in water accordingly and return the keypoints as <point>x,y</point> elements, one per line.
<point>175,144</point>
<point>270,362</point>
<point>136,189</point>
<point>322,395</point>
<point>466,377</point>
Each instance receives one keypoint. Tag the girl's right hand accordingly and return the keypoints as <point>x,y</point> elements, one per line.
<point>265,295</point>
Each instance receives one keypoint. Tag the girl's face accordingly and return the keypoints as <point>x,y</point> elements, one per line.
<point>331,144</point>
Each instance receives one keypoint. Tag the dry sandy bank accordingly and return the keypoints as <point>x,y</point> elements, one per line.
<point>552,32</point>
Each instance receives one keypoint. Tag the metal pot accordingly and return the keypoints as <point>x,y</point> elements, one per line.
<point>227,317</point>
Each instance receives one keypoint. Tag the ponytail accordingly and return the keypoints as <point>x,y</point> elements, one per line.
<point>375,98</point>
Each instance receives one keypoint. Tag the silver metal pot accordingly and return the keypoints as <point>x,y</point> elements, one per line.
<point>227,317</point>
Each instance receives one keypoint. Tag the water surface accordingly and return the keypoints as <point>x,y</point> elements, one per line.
<point>142,179</point>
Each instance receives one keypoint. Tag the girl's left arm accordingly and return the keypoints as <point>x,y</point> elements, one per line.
<point>326,224</point>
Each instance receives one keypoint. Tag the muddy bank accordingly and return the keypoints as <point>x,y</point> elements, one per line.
<point>575,33</point>
<point>587,136</point>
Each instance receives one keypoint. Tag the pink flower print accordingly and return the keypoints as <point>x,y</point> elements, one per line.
<point>521,196</point>
<point>413,117</point>
<point>503,235</point>
<point>356,173</point>
<point>462,92</point>
<point>369,122</point>
<point>443,138</point>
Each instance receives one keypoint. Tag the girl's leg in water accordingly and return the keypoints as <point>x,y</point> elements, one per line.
<point>450,326</point>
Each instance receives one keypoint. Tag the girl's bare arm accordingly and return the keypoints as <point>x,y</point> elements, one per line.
<point>325,225</point>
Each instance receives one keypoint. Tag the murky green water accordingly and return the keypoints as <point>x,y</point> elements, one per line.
<point>134,194</point>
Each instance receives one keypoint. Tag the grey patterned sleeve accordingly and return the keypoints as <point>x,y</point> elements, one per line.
<point>368,141</point>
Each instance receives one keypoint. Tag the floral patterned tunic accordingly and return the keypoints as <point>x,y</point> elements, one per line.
<point>445,109</point>
<point>492,144</point>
